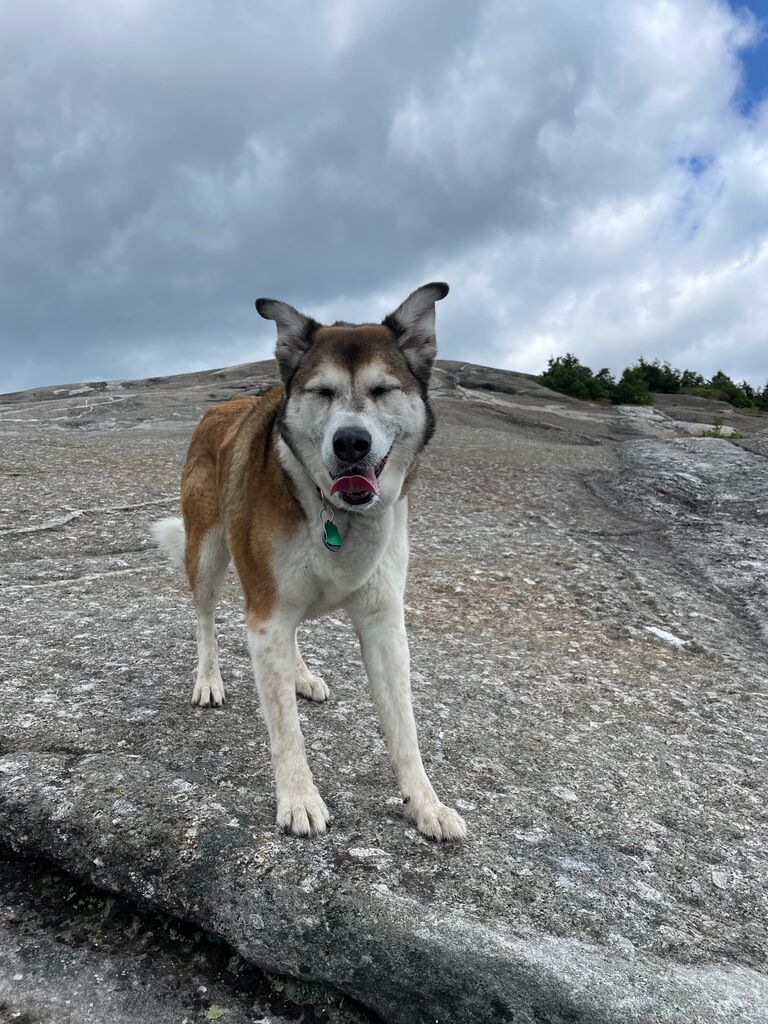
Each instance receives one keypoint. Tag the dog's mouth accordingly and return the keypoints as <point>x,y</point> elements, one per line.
<point>358,485</point>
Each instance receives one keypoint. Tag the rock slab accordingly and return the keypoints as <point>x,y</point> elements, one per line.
<point>613,779</point>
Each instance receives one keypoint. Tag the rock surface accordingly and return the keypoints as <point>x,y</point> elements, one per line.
<point>589,652</point>
<point>70,954</point>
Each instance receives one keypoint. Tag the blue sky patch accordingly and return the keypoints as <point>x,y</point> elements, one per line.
<point>755,59</point>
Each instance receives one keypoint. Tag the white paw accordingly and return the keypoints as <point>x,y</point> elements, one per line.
<point>436,821</point>
<point>209,690</point>
<point>302,811</point>
<point>311,686</point>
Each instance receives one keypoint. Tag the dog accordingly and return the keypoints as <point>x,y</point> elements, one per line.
<point>307,488</point>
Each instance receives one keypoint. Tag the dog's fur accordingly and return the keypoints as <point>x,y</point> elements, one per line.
<point>256,483</point>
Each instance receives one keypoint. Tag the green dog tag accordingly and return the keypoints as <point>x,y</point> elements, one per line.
<point>331,536</point>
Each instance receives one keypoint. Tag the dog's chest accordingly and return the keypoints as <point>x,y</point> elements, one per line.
<point>318,580</point>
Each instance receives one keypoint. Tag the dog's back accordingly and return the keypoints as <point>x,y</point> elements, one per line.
<point>204,470</point>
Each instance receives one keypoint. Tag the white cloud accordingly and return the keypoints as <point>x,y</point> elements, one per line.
<point>580,173</point>
<point>638,194</point>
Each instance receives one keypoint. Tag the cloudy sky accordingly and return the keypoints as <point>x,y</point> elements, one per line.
<point>588,177</point>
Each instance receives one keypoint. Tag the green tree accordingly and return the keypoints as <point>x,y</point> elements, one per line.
<point>637,383</point>
<point>660,376</point>
<point>606,381</point>
<point>567,375</point>
<point>632,388</point>
<point>691,379</point>
<point>728,391</point>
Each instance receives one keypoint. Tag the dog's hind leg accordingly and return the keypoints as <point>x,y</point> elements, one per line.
<point>206,557</point>
<point>202,549</point>
<point>307,683</point>
<point>210,569</point>
<point>206,581</point>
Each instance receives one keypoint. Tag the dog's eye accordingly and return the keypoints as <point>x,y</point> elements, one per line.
<point>321,392</point>
<point>382,389</point>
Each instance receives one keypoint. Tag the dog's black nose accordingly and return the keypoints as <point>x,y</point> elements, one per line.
<point>351,444</point>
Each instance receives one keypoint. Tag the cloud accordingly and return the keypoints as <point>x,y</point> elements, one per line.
<point>586,177</point>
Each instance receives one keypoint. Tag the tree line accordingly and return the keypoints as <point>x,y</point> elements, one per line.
<point>637,383</point>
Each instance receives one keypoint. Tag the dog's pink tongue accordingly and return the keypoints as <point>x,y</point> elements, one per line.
<point>365,481</point>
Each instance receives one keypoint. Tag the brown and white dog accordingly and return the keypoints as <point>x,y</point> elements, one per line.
<point>307,487</point>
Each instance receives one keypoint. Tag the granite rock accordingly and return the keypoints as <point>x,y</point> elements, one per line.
<point>586,608</point>
<point>71,954</point>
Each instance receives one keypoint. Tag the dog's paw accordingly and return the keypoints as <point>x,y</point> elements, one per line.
<point>209,691</point>
<point>312,686</point>
<point>302,812</point>
<point>436,821</point>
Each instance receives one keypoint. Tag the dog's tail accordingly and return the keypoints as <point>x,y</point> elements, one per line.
<point>169,536</point>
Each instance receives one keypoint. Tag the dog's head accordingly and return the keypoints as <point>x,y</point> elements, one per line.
<point>356,412</point>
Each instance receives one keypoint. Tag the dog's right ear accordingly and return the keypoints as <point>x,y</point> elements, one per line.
<point>294,333</point>
<point>413,324</point>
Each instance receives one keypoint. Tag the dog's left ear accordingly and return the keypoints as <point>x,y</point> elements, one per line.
<point>294,333</point>
<point>413,324</point>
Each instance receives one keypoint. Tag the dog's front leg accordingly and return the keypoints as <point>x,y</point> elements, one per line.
<point>272,644</point>
<point>378,619</point>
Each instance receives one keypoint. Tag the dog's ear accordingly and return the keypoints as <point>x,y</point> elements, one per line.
<point>413,324</point>
<point>294,333</point>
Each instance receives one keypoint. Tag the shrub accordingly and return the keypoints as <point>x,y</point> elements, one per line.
<point>637,384</point>
<point>691,379</point>
<point>606,381</point>
<point>660,376</point>
<point>568,376</point>
<point>727,391</point>
<point>632,388</point>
